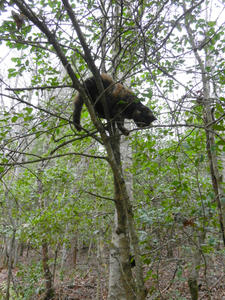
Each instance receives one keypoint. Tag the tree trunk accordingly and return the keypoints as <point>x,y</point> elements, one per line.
<point>47,273</point>
<point>122,284</point>
<point>208,121</point>
<point>4,258</point>
<point>45,259</point>
<point>10,264</point>
<point>74,251</point>
<point>193,286</point>
<point>195,263</point>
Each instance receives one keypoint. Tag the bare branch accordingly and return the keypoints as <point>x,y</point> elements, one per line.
<point>51,157</point>
<point>39,88</point>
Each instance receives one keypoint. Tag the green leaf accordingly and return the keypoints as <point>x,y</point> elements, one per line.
<point>211,23</point>
<point>12,72</point>
<point>218,127</point>
<point>14,119</point>
<point>222,200</point>
<point>28,109</point>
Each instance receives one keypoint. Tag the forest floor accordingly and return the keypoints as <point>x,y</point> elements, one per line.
<point>88,281</point>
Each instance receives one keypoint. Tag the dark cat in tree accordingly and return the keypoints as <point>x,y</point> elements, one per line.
<point>121,104</point>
